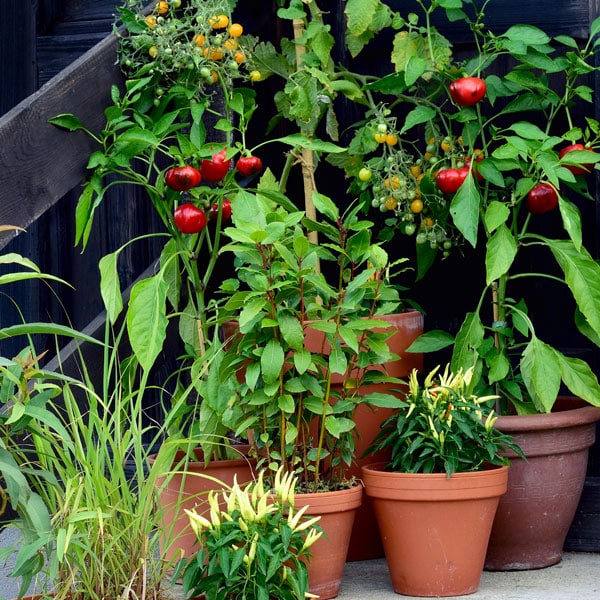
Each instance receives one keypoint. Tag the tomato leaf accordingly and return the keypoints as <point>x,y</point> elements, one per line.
<point>468,339</point>
<point>420,114</point>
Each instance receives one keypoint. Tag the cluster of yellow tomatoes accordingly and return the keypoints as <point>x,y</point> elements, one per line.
<point>406,187</point>
<point>215,46</point>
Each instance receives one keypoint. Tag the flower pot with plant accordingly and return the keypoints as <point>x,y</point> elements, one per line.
<point>436,498</point>
<point>499,182</point>
<point>287,285</point>
<point>255,544</point>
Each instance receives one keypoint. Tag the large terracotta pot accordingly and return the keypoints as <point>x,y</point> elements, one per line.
<point>188,489</point>
<point>435,529</point>
<point>534,516</point>
<point>337,510</point>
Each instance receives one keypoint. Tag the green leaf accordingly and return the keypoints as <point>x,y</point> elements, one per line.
<point>464,209</point>
<point>66,121</point>
<point>468,339</point>
<point>146,319</point>
<point>497,214</point>
<point>501,250</point>
<point>360,15</point>
<point>571,218</point>
<point>540,369</point>
<point>582,275</point>
<point>420,114</point>
<point>325,206</point>
<point>579,378</point>
<point>271,361</point>
<point>337,361</point>
<point>110,287</point>
<point>302,360</point>
<point>297,139</point>
<point>431,341</point>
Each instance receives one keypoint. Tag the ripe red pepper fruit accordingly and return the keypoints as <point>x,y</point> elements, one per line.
<point>183,178</point>
<point>467,91</point>
<point>449,180</point>
<point>249,165</point>
<point>576,170</point>
<point>213,212</point>
<point>215,170</point>
<point>189,218</point>
<point>541,199</point>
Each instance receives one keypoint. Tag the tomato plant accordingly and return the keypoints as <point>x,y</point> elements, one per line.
<point>467,91</point>
<point>541,199</point>
<point>183,178</point>
<point>215,169</point>
<point>249,165</point>
<point>188,218</point>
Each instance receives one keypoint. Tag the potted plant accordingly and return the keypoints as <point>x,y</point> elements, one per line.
<point>300,326</point>
<point>255,543</point>
<point>436,498</point>
<point>478,160</point>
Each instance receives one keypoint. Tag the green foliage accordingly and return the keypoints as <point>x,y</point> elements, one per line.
<point>440,427</point>
<point>287,395</point>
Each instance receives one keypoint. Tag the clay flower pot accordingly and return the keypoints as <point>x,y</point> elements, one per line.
<point>435,529</point>
<point>534,516</point>
<point>337,510</point>
<point>189,489</point>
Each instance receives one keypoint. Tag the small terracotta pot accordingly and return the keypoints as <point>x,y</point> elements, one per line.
<point>337,510</point>
<point>435,529</point>
<point>534,516</point>
<point>189,490</point>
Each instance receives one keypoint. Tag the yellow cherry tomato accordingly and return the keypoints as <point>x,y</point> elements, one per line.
<point>153,51</point>
<point>219,21</point>
<point>231,44</point>
<point>214,53</point>
<point>199,39</point>
<point>392,183</point>
<point>255,75</point>
<point>391,203</point>
<point>391,139</point>
<point>239,57</point>
<point>235,30</point>
<point>427,223</point>
<point>446,146</point>
<point>380,137</point>
<point>415,170</point>
<point>416,206</point>
<point>162,7</point>
<point>150,21</point>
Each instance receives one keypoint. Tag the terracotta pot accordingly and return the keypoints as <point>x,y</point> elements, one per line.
<point>534,516</point>
<point>435,529</point>
<point>189,490</point>
<point>337,510</point>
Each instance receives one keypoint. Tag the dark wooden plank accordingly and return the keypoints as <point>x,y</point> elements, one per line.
<point>584,535</point>
<point>18,76</point>
<point>39,153</point>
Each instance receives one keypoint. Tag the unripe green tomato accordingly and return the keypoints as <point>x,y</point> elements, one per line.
<point>375,203</point>
<point>447,245</point>
<point>421,237</point>
<point>365,174</point>
<point>410,228</point>
<point>381,127</point>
